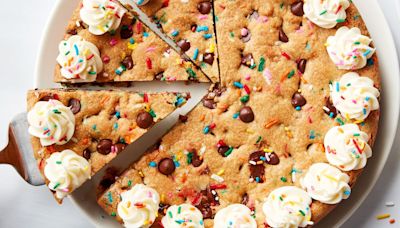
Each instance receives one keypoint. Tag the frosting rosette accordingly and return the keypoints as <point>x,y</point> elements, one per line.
<point>327,13</point>
<point>183,216</point>
<point>347,147</point>
<point>66,171</point>
<point>79,60</point>
<point>354,96</point>
<point>139,206</point>
<point>52,122</point>
<point>288,206</point>
<point>234,216</point>
<point>326,183</point>
<point>102,15</point>
<point>349,49</point>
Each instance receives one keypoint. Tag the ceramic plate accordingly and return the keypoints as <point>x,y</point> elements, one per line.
<point>84,197</point>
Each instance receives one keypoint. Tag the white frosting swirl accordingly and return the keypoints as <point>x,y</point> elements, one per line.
<point>326,183</point>
<point>349,49</point>
<point>347,147</point>
<point>101,15</point>
<point>234,216</point>
<point>183,216</point>
<point>139,206</point>
<point>354,96</point>
<point>288,206</point>
<point>52,122</point>
<point>327,13</point>
<point>79,59</point>
<point>66,171</point>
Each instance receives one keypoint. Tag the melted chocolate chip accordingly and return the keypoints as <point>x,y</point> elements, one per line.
<point>208,199</point>
<point>183,118</point>
<point>272,159</point>
<point>209,58</point>
<point>204,7</point>
<point>256,166</point>
<point>247,60</point>
<point>210,104</point>
<point>246,114</point>
<point>166,166</point>
<point>196,160</point>
<point>119,147</point>
<point>331,108</point>
<point>72,32</point>
<point>222,150</point>
<point>301,65</point>
<point>297,8</point>
<point>74,105</point>
<point>144,120</point>
<point>184,45</point>
<point>126,32</point>
<point>127,62</point>
<point>282,36</point>
<point>104,146</point>
<point>87,154</point>
<point>298,100</point>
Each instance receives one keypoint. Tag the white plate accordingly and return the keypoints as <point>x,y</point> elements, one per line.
<point>84,198</point>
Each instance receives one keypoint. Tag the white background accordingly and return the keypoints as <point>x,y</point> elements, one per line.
<point>22,205</point>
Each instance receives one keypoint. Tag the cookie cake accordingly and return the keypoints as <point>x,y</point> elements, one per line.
<point>278,140</point>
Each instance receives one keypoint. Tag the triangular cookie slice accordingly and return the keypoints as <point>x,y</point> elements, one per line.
<point>106,43</point>
<point>75,132</point>
<point>190,24</point>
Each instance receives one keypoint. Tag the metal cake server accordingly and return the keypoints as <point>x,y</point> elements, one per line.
<point>19,152</point>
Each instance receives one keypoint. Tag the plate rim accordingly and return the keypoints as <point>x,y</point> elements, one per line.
<point>41,69</point>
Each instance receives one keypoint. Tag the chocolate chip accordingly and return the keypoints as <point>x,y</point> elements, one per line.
<point>50,97</point>
<point>301,65</point>
<point>74,105</point>
<point>159,76</point>
<point>298,100</point>
<point>245,199</point>
<point>297,8</point>
<point>204,7</point>
<point>256,167</point>
<point>87,154</point>
<point>222,150</point>
<point>126,32</point>
<point>144,120</point>
<point>247,60</point>
<point>183,118</point>
<point>196,160</point>
<point>331,108</point>
<point>184,45</point>
<point>119,147</point>
<point>272,159</point>
<point>72,32</point>
<point>209,58</point>
<point>246,114</point>
<point>210,104</point>
<point>127,62</point>
<point>166,166</point>
<point>282,36</point>
<point>104,146</point>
